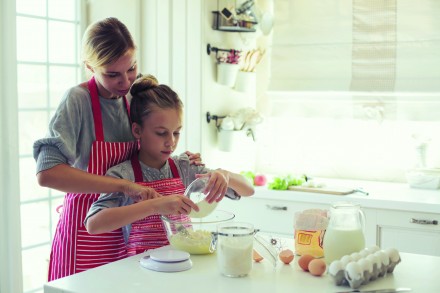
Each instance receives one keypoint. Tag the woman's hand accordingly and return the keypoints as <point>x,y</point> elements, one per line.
<point>194,159</point>
<point>217,184</point>
<point>175,204</point>
<point>139,193</point>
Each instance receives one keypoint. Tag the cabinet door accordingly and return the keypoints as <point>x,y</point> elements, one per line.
<point>270,216</point>
<point>409,232</point>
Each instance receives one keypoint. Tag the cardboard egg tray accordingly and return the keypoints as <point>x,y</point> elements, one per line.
<point>362,267</point>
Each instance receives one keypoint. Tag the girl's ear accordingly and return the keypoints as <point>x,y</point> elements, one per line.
<point>136,130</point>
<point>89,67</point>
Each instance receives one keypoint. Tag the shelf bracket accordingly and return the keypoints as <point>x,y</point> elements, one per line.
<point>210,49</point>
<point>216,118</point>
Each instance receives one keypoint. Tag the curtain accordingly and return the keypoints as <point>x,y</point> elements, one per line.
<point>356,45</point>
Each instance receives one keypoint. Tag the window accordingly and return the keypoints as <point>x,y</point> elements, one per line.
<point>354,89</point>
<point>48,34</point>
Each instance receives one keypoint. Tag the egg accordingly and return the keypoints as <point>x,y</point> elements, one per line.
<point>336,271</point>
<point>345,260</point>
<point>373,249</point>
<point>354,275</point>
<point>354,271</point>
<point>383,257</point>
<point>256,256</point>
<point>366,265</point>
<point>317,267</point>
<point>335,267</point>
<point>394,257</point>
<point>393,254</point>
<point>364,253</point>
<point>286,256</point>
<point>304,261</point>
<point>355,256</point>
<point>377,265</point>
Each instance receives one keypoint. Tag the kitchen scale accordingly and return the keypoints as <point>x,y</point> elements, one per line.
<point>167,260</point>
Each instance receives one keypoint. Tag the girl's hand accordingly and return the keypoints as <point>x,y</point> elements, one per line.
<point>217,185</point>
<point>175,204</point>
<point>194,159</point>
<point>139,193</point>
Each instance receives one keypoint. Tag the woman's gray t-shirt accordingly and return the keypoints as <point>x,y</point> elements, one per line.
<point>72,130</point>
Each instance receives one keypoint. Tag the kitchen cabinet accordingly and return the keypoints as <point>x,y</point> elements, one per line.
<point>409,231</point>
<point>393,219</point>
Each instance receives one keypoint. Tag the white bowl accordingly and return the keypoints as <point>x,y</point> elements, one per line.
<point>424,178</point>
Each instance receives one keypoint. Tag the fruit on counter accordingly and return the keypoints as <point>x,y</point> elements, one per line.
<point>254,179</point>
<point>286,256</point>
<point>260,180</point>
<point>256,256</point>
<point>249,175</point>
<point>282,183</point>
<point>304,261</point>
<point>317,266</point>
<point>278,183</point>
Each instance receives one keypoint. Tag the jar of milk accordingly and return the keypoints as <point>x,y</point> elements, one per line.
<point>345,231</point>
<point>234,248</point>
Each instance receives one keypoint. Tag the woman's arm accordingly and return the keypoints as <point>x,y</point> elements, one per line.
<point>68,179</point>
<point>110,219</point>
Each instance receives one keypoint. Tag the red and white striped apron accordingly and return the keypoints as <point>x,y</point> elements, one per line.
<point>73,249</point>
<point>149,232</point>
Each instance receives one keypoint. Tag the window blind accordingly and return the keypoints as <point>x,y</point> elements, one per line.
<point>356,45</point>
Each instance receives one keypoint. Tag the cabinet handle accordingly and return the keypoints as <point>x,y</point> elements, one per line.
<point>276,208</point>
<point>423,222</point>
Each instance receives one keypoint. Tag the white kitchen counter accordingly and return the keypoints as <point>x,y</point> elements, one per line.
<point>394,196</point>
<point>419,272</point>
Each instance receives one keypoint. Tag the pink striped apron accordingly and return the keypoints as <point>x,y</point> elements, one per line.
<point>73,249</point>
<point>149,232</point>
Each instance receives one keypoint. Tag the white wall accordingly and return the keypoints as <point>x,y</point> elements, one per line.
<point>10,244</point>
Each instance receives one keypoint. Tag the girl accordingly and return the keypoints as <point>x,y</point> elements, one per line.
<point>90,132</point>
<point>156,113</point>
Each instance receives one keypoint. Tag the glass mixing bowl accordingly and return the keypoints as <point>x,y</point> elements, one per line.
<point>193,235</point>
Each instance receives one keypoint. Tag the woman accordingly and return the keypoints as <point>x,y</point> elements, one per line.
<point>89,133</point>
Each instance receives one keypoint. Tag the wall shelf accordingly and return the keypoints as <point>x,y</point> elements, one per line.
<point>222,24</point>
<point>235,19</point>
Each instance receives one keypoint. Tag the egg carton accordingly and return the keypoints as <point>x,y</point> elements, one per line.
<point>361,267</point>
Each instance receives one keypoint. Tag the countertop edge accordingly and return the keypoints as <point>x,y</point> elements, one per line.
<point>410,200</point>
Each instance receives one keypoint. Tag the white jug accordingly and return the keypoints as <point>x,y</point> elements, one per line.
<point>345,231</point>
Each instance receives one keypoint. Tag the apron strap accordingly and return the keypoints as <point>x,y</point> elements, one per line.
<point>96,109</point>
<point>137,170</point>
<point>173,168</point>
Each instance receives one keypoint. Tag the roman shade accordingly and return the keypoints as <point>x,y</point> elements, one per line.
<point>356,45</point>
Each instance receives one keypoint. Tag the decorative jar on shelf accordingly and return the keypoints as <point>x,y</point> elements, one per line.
<point>227,73</point>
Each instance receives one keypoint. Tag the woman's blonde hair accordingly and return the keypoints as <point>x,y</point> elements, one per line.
<point>105,41</point>
<point>147,94</point>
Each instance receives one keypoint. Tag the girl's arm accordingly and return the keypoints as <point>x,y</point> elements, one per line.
<point>220,180</point>
<point>68,179</point>
<point>110,219</point>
